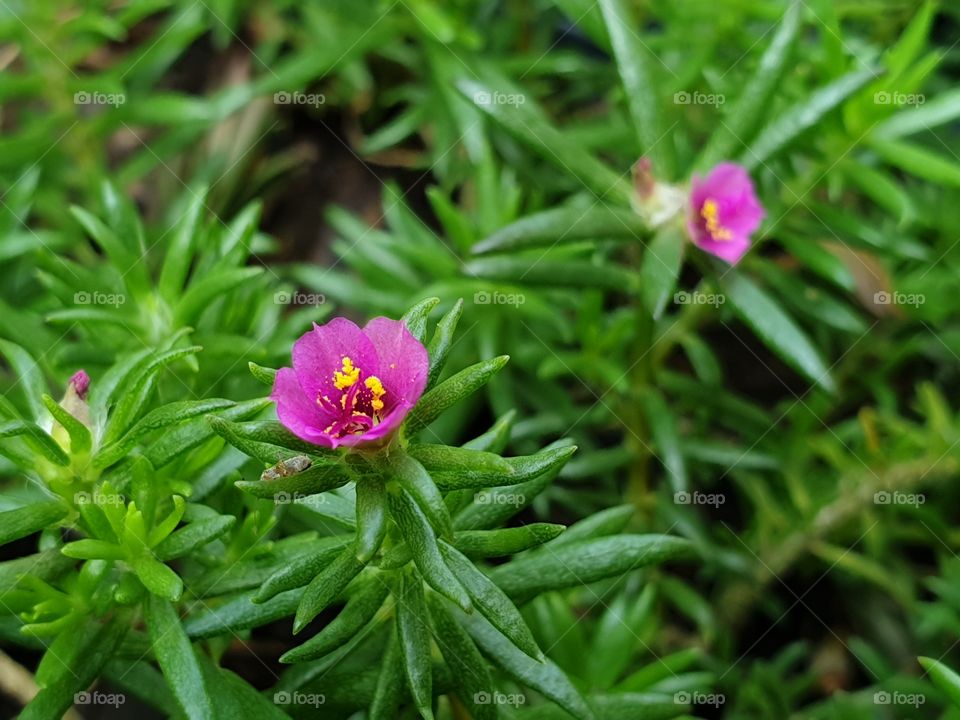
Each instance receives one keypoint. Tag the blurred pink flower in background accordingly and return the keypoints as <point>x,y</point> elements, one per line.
<point>724,212</point>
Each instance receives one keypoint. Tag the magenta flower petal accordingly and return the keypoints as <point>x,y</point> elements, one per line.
<point>724,212</point>
<point>300,416</point>
<point>319,352</point>
<point>349,386</point>
<point>404,362</point>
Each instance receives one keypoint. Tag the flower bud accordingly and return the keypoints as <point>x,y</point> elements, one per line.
<point>75,398</point>
<point>656,202</point>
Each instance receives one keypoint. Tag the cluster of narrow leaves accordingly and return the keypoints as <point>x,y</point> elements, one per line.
<point>786,395</point>
<point>148,555</point>
<point>106,492</point>
<point>409,571</point>
<point>137,562</point>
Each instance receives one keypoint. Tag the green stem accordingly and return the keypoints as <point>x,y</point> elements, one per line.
<point>638,437</point>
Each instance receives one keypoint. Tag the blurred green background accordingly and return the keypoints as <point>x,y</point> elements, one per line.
<point>350,158</point>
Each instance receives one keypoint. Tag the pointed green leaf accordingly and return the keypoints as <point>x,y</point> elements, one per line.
<point>738,126</point>
<point>467,665</point>
<point>802,116</point>
<point>177,660</point>
<point>193,536</point>
<point>606,522</point>
<point>233,697</point>
<point>134,533</point>
<point>326,587</point>
<point>545,677</point>
<point>45,565</point>
<point>528,125</point>
<point>36,438</point>
<point>414,632</point>
<point>668,666</point>
<point>390,681</point>
<point>174,443</point>
<point>95,519</point>
<point>63,651</point>
<point>507,541</point>
<point>79,665</point>
<point>660,268</point>
<point>269,441</point>
<point>141,383</point>
<point>944,678</point>
<point>917,160</point>
<point>169,414</point>
<point>208,288</point>
<point>942,109</point>
<point>233,433</point>
<point>236,238</point>
<point>451,391</point>
<point>359,610</point>
<point>241,613</point>
<point>775,328</point>
<point>159,579</point>
<point>442,341</point>
<point>416,317</point>
<point>615,639</point>
<point>497,437</point>
<point>264,374</point>
<point>881,187</point>
<point>169,523</point>
<point>521,469</point>
<point>26,520</point>
<point>666,436</point>
<point>372,514</point>
<point>89,549</point>
<point>491,601</point>
<point>554,273</point>
<point>444,458</point>
<point>565,225</point>
<point>29,376</point>
<point>111,244</point>
<point>493,507</point>
<point>416,530</point>
<point>79,433</point>
<point>638,67</point>
<point>318,478</point>
<point>180,251</point>
<point>585,562</point>
<point>302,570</point>
<point>417,481</point>
<point>912,40</point>
<point>105,391</point>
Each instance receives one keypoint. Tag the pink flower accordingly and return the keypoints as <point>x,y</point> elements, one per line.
<point>724,212</point>
<point>350,386</point>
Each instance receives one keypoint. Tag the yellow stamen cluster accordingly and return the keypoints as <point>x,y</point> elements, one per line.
<point>375,387</point>
<point>347,376</point>
<point>711,213</point>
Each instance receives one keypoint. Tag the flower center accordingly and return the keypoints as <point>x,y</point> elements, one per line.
<point>710,212</point>
<point>361,403</point>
